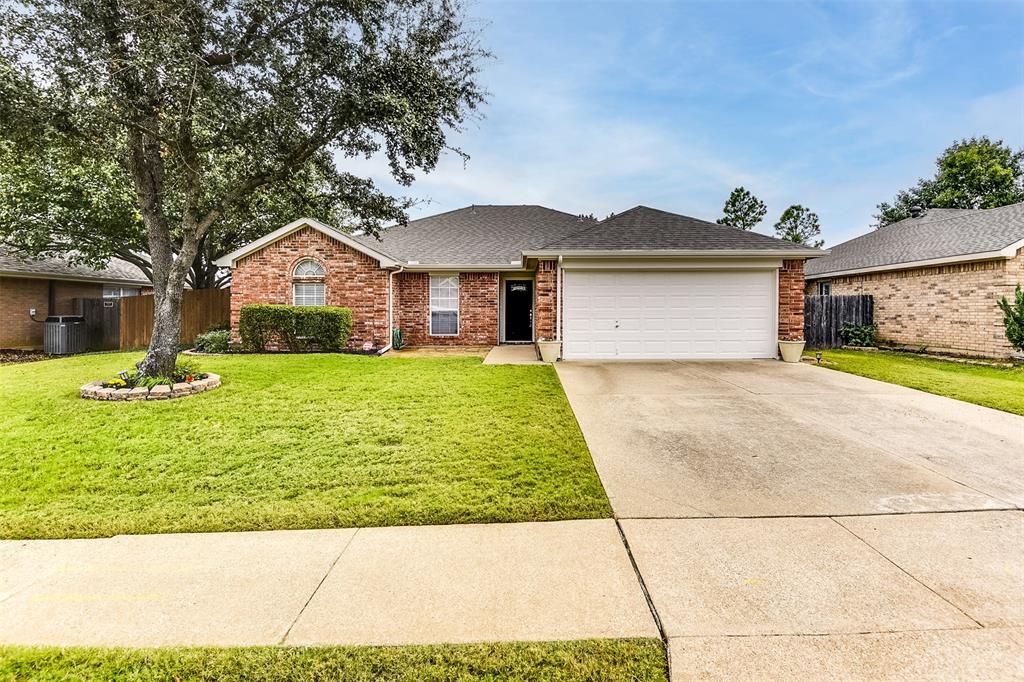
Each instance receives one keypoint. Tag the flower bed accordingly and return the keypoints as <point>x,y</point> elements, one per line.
<point>185,380</point>
<point>95,390</point>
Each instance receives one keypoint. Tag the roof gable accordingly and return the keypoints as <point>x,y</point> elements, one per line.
<point>230,260</point>
<point>939,236</point>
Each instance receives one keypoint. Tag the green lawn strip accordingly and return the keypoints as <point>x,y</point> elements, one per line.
<point>635,659</point>
<point>1001,388</point>
<point>291,441</point>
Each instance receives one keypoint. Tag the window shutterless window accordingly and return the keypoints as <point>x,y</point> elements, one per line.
<point>308,293</point>
<point>444,305</point>
<point>308,287</point>
<point>824,288</point>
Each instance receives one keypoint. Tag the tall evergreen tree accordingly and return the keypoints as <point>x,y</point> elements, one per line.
<point>800,226</point>
<point>743,210</point>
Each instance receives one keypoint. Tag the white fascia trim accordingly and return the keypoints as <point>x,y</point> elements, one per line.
<point>230,260</point>
<point>1006,253</point>
<point>76,278</point>
<point>471,267</point>
<point>689,253</point>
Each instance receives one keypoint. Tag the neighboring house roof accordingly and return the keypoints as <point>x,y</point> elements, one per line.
<point>15,264</point>
<point>642,229</point>
<point>939,236</point>
<point>477,235</point>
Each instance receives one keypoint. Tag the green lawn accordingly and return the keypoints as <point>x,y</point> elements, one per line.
<point>1001,388</point>
<point>299,441</point>
<point>634,660</point>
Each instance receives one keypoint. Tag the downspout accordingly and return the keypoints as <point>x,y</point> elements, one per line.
<point>391,308</point>
<point>558,302</point>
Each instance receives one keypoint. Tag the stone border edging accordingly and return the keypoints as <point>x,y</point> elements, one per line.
<point>94,390</point>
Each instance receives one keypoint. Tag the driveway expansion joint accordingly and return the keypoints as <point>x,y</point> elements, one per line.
<point>647,594</point>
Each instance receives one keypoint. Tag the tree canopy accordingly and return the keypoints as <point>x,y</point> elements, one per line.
<point>204,105</point>
<point>799,225</point>
<point>971,173</point>
<point>743,210</point>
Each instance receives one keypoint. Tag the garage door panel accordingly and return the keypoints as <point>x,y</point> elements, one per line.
<point>669,314</point>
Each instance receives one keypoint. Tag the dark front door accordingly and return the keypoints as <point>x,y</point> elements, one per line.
<point>518,310</point>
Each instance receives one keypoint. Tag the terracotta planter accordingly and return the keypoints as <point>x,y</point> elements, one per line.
<point>791,350</point>
<point>549,350</point>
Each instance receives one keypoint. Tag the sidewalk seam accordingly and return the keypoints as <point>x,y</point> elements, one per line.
<point>317,588</point>
<point>647,595</point>
<point>909,574</point>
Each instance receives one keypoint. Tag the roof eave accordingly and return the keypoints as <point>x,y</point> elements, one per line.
<point>75,278</point>
<point>1005,253</point>
<point>231,259</point>
<point>677,253</point>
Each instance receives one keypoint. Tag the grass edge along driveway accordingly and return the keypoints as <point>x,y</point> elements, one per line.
<point>640,660</point>
<point>291,441</point>
<point>1001,388</point>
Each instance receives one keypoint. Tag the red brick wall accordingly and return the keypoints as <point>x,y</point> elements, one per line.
<point>478,309</point>
<point>19,294</point>
<point>352,280</point>
<point>546,294</point>
<point>791,300</point>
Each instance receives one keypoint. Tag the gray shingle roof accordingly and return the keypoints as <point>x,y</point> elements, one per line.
<point>939,233</point>
<point>649,229</point>
<point>14,263</point>
<point>475,235</point>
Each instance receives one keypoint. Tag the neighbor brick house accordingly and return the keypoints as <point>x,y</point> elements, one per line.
<point>641,284</point>
<point>935,277</point>
<point>50,286</point>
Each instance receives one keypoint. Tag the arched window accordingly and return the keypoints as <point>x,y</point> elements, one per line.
<point>308,283</point>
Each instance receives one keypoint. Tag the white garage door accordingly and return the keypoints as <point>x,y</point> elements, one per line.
<point>669,314</point>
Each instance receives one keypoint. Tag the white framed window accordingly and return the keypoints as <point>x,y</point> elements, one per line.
<point>308,287</point>
<point>308,293</point>
<point>119,292</point>
<point>824,288</point>
<point>444,305</point>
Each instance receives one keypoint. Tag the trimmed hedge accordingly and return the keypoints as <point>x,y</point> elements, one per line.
<point>297,328</point>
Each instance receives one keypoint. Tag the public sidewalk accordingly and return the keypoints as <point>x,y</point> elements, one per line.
<point>398,585</point>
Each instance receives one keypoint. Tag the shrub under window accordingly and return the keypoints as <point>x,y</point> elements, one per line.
<point>296,328</point>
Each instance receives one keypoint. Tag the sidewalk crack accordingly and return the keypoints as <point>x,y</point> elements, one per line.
<point>317,588</point>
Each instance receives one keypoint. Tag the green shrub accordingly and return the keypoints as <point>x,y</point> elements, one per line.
<point>215,341</point>
<point>1013,318</point>
<point>297,328</point>
<point>859,334</point>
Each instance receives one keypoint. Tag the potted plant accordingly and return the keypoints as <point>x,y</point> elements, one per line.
<point>549,350</point>
<point>791,350</point>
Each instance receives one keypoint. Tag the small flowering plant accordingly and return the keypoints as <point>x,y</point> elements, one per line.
<point>184,372</point>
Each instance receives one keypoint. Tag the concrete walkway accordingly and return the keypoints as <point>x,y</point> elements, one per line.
<point>520,354</point>
<point>527,581</point>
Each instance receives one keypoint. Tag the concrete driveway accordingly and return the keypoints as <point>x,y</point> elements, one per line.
<point>790,521</point>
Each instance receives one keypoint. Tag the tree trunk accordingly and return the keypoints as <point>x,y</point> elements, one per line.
<point>163,345</point>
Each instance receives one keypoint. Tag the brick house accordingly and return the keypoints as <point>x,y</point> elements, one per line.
<point>53,287</point>
<point>641,284</point>
<point>935,277</point>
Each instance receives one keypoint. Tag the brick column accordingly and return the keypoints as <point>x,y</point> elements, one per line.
<point>791,300</point>
<point>546,295</point>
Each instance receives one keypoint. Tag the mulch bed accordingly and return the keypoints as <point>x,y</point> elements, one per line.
<point>10,356</point>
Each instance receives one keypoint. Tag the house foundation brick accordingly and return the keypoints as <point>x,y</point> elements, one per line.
<point>944,309</point>
<point>791,300</point>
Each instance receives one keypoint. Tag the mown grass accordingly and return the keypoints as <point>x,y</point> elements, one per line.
<point>291,441</point>
<point>1001,388</point>
<point>636,660</point>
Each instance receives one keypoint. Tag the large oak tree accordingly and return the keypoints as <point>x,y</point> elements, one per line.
<point>206,105</point>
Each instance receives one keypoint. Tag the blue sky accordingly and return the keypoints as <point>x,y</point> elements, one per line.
<point>597,107</point>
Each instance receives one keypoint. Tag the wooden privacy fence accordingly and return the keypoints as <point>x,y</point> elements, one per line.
<point>200,310</point>
<point>825,317</point>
